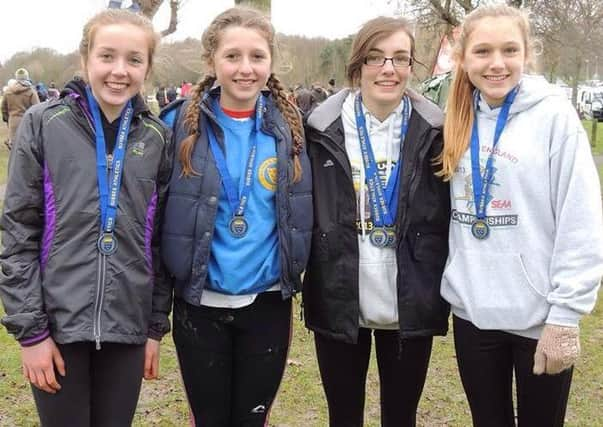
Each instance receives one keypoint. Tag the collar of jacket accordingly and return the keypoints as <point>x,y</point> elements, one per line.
<point>271,123</point>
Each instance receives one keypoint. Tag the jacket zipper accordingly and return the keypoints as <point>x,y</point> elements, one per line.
<point>98,302</point>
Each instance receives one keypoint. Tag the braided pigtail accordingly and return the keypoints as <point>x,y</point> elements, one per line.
<point>293,118</point>
<point>191,124</point>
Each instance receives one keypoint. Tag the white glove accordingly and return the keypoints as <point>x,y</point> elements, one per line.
<point>557,350</point>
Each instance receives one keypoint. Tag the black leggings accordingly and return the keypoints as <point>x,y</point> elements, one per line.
<point>402,372</point>
<point>487,360</point>
<point>232,360</point>
<point>100,388</point>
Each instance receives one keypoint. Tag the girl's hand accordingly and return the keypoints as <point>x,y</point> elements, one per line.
<point>557,350</point>
<point>151,359</point>
<point>39,363</point>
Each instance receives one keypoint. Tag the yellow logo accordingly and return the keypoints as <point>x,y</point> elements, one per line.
<point>268,174</point>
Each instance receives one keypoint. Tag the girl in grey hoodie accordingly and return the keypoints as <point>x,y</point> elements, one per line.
<point>526,241</point>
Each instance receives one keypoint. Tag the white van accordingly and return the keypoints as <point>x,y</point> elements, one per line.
<point>590,102</point>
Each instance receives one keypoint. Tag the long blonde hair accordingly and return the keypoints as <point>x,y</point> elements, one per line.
<point>459,108</point>
<point>244,17</point>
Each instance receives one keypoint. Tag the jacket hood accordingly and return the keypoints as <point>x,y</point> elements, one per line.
<point>326,113</point>
<point>76,88</point>
<point>20,86</point>
<point>532,91</point>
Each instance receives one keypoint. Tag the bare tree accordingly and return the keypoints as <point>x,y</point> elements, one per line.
<point>571,33</point>
<point>149,8</point>
<point>263,5</point>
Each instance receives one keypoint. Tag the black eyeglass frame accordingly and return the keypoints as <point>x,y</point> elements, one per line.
<point>385,59</point>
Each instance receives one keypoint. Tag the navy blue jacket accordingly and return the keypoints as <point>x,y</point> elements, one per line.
<point>192,205</point>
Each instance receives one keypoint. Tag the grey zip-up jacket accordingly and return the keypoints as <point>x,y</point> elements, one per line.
<point>54,281</point>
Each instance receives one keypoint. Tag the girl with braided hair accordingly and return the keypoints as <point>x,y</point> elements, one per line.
<point>237,228</point>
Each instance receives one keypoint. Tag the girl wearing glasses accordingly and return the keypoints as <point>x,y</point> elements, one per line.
<point>525,238</point>
<point>379,241</point>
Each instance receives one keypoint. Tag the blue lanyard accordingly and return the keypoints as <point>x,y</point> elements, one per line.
<point>109,186</point>
<point>481,184</point>
<point>384,201</point>
<point>237,203</point>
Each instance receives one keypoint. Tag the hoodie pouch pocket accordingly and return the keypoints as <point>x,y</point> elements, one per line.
<point>494,289</point>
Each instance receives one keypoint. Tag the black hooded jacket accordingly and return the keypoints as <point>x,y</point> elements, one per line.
<point>330,291</point>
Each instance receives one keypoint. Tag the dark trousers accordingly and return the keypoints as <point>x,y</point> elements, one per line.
<point>487,360</point>
<point>402,371</point>
<point>100,388</point>
<point>232,360</point>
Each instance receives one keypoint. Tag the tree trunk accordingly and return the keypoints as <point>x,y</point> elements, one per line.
<point>263,5</point>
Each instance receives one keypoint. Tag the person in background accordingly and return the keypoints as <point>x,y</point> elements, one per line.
<point>379,241</point>
<point>53,92</point>
<point>21,95</point>
<point>85,294</point>
<point>331,89</point>
<point>526,236</point>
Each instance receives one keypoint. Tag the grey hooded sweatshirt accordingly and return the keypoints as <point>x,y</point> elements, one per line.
<point>543,260</point>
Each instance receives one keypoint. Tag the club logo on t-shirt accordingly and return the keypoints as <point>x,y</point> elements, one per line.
<point>268,173</point>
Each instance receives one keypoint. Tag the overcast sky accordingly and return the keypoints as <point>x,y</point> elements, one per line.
<point>57,24</point>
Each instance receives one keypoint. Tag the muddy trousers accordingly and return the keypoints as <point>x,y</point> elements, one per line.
<point>232,360</point>
<point>100,388</point>
<point>402,371</point>
<point>487,360</point>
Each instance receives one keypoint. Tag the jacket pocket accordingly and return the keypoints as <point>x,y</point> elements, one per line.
<point>494,289</point>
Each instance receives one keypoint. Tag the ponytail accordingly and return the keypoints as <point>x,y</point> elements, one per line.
<point>191,124</point>
<point>457,125</point>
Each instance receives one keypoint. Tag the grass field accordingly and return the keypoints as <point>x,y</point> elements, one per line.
<point>598,146</point>
<point>300,402</point>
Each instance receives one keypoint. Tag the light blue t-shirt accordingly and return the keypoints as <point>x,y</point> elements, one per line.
<point>249,264</point>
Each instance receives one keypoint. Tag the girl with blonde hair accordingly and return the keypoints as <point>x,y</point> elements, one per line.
<point>526,240</point>
<point>84,291</point>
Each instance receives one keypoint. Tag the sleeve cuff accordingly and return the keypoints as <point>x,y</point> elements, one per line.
<point>34,340</point>
<point>563,316</point>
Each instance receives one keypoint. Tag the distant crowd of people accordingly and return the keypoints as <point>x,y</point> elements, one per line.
<point>21,93</point>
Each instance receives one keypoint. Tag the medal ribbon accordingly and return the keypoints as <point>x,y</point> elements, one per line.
<point>237,203</point>
<point>384,201</point>
<point>109,186</point>
<point>481,184</point>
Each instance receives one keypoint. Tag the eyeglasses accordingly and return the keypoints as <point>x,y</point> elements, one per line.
<point>398,61</point>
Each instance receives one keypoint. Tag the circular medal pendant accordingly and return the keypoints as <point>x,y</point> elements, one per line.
<point>379,237</point>
<point>480,229</point>
<point>238,226</point>
<point>107,244</point>
<point>391,237</point>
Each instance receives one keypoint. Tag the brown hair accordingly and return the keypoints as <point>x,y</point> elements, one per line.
<point>371,32</point>
<point>115,17</point>
<point>459,108</point>
<point>244,17</point>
